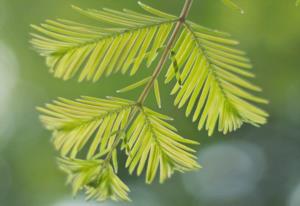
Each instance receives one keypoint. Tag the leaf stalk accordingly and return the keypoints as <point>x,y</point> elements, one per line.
<point>142,98</point>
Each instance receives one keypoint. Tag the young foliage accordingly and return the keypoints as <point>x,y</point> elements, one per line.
<point>135,85</point>
<point>96,125</point>
<point>150,137</point>
<point>211,80</point>
<point>94,51</point>
<point>85,121</point>
<point>97,179</point>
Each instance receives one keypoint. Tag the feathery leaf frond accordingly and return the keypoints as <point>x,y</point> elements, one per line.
<point>213,80</point>
<point>98,179</point>
<point>210,81</point>
<point>93,51</point>
<point>150,141</point>
<point>154,145</point>
<point>74,123</point>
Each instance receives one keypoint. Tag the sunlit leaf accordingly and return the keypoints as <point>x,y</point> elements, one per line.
<point>213,75</point>
<point>95,177</point>
<point>156,148</point>
<point>90,133</point>
<point>84,122</point>
<point>135,85</point>
<point>91,51</point>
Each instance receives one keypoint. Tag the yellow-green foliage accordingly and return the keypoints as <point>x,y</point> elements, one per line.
<point>150,142</point>
<point>210,78</point>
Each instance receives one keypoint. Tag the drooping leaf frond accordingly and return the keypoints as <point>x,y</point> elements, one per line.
<point>72,48</point>
<point>74,123</point>
<point>150,143</point>
<point>214,87</point>
<point>97,179</point>
<point>154,145</point>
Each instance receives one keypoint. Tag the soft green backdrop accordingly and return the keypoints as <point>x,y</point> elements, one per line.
<point>254,166</point>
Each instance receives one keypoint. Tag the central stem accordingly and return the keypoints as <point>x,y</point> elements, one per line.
<point>164,57</point>
<point>185,11</point>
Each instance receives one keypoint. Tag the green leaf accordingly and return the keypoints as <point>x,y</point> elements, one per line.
<point>157,93</point>
<point>86,121</point>
<point>97,179</point>
<point>135,85</point>
<point>155,147</point>
<point>297,2</point>
<point>73,48</point>
<point>156,12</point>
<point>213,81</point>
<point>230,4</point>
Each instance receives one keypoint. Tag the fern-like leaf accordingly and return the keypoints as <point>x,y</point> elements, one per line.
<point>101,123</point>
<point>97,179</point>
<point>210,80</point>
<point>74,123</point>
<point>213,86</point>
<point>93,51</point>
<point>154,145</point>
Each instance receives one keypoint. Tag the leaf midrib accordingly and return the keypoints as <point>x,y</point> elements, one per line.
<point>213,72</point>
<point>113,35</point>
<point>95,118</point>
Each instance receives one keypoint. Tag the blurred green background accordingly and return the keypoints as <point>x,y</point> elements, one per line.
<point>254,166</point>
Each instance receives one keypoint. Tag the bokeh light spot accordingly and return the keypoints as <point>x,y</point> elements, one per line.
<point>8,80</point>
<point>79,202</point>
<point>5,179</point>
<point>294,199</point>
<point>231,171</point>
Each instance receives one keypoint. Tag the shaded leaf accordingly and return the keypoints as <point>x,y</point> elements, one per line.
<point>157,93</point>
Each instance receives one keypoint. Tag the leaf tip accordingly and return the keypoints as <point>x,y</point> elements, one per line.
<point>140,3</point>
<point>39,109</point>
<point>75,7</point>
